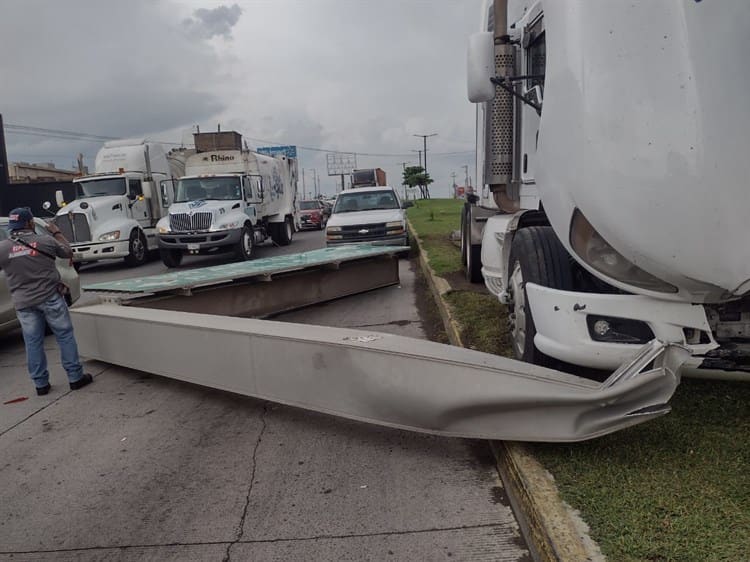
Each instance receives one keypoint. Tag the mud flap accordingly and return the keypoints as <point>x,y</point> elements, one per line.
<point>380,378</point>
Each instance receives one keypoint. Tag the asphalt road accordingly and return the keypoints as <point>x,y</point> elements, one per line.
<point>141,467</point>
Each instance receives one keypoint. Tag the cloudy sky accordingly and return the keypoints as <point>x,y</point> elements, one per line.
<point>350,75</point>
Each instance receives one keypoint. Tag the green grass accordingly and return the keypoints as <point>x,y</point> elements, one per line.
<point>673,489</point>
<point>483,321</point>
<point>676,488</point>
<point>434,220</point>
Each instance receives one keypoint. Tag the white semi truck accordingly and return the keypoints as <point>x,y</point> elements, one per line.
<point>116,209</point>
<point>612,143</point>
<point>230,199</point>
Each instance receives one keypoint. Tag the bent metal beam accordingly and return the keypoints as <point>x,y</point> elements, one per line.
<point>381,378</point>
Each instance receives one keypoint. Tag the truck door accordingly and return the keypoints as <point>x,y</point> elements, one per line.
<point>139,207</point>
<point>252,189</point>
<point>534,57</point>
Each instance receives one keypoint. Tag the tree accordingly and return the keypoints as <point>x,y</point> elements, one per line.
<point>415,176</point>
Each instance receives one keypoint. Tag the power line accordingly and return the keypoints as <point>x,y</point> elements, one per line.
<point>90,137</point>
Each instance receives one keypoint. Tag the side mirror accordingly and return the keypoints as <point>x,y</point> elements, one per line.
<point>59,199</point>
<point>407,204</point>
<point>480,67</point>
<point>131,196</point>
<point>534,95</point>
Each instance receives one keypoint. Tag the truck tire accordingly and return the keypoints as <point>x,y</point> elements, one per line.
<point>464,233</point>
<point>536,256</point>
<point>244,248</point>
<point>171,258</point>
<point>137,248</point>
<point>472,252</point>
<point>283,232</point>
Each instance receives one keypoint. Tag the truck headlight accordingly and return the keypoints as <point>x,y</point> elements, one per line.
<point>333,230</point>
<point>110,236</point>
<point>596,252</point>
<point>226,226</point>
<point>395,227</point>
<point>162,229</point>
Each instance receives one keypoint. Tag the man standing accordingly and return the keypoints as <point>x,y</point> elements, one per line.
<point>28,260</point>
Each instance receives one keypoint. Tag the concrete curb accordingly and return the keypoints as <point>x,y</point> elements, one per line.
<point>547,523</point>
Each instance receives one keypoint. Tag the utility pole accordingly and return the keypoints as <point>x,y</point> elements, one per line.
<point>420,157</point>
<point>424,138</point>
<point>453,187</point>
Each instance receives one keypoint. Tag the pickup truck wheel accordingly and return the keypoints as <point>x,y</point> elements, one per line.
<point>171,258</point>
<point>244,249</point>
<point>536,256</point>
<point>138,250</point>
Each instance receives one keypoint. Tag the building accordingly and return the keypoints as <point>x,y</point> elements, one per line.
<point>24,172</point>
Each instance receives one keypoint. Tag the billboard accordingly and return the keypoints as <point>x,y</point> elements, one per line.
<point>288,151</point>
<point>340,163</point>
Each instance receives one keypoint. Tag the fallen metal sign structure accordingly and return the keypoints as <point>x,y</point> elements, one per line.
<point>373,377</point>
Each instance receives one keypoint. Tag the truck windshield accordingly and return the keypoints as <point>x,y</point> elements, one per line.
<point>100,187</point>
<point>218,188</point>
<point>365,201</point>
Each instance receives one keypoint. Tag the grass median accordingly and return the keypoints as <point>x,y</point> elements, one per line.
<point>676,488</point>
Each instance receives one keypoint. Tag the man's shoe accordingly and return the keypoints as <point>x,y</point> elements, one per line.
<point>42,390</point>
<point>83,381</point>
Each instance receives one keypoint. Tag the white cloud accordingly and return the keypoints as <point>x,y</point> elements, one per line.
<point>360,75</point>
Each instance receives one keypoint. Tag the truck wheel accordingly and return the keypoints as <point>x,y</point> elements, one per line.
<point>465,234</point>
<point>284,232</point>
<point>138,251</point>
<point>244,249</point>
<point>470,253</point>
<point>171,258</point>
<point>536,256</point>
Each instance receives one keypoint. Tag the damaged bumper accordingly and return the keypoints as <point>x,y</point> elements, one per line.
<point>563,324</point>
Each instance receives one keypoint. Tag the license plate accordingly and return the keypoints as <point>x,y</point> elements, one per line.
<point>193,247</point>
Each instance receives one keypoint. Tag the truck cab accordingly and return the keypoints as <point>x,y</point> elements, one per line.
<point>229,200</point>
<point>599,148</point>
<point>115,210</point>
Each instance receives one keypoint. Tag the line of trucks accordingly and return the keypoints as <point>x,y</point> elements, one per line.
<point>613,200</point>
<point>217,197</point>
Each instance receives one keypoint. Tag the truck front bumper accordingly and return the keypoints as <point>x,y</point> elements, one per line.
<point>399,240</point>
<point>198,242</point>
<point>94,251</point>
<point>560,318</point>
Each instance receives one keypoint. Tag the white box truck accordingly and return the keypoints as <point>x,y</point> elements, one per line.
<point>116,209</point>
<point>613,199</point>
<point>229,200</point>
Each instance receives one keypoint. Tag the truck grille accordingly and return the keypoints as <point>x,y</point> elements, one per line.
<point>356,232</point>
<point>182,222</point>
<point>75,227</point>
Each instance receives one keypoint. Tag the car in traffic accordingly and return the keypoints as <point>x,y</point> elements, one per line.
<point>368,214</point>
<point>313,214</point>
<point>68,274</point>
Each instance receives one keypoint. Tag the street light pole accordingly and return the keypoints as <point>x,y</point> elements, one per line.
<point>420,157</point>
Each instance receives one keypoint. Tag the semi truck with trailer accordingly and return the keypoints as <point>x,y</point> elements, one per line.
<point>116,209</point>
<point>371,177</point>
<point>612,202</point>
<point>229,200</point>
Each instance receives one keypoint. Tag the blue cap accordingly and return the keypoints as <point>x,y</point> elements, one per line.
<point>19,218</point>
